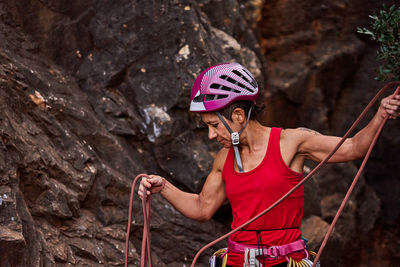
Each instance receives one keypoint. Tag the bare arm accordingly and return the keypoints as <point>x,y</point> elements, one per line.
<point>199,207</point>
<point>316,146</point>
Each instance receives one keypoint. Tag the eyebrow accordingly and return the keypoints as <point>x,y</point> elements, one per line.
<point>210,121</point>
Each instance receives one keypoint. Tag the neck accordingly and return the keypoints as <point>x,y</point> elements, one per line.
<point>253,137</point>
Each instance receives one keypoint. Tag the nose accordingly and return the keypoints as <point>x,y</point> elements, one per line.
<point>212,133</point>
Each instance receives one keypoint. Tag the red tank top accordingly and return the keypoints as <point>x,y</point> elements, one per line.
<point>250,193</point>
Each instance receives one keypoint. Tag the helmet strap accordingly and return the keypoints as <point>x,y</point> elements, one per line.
<point>235,137</point>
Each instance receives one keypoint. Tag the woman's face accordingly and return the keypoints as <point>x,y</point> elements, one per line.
<point>216,129</point>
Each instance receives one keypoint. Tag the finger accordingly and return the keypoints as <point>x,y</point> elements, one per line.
<point>394,102</point>
<point>141,190</point>
<point>143,186</point>
<point>156,180</point>
<point>392,110</point>
<point>392,114</point>
<point>146,183</point>
<point>154,177</point>
<point>391,105</point>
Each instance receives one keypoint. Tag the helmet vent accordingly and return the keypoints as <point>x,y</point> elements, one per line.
<point>199,98</point>
<point>229,79</point>
<point>252,82</point>
<point>214,97</point>
<point>202,98</point>
<point>225,88</point>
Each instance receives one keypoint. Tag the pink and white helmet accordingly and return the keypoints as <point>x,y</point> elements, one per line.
<point>221,85</point>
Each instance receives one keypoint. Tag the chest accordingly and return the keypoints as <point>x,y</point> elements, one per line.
<point>285,151</point>
<point>268,181</point>
<point>251,160</point>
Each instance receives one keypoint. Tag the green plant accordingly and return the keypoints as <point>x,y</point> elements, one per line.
<point>386,31</point>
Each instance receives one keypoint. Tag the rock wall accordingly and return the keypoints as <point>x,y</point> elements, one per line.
<point>92,94</point>
<point>95,92</point>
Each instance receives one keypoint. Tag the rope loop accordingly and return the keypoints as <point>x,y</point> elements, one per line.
<point>145,258</point>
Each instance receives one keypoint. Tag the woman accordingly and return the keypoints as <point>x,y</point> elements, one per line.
<point>256,166</point>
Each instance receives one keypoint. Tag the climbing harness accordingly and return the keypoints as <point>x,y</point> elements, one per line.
<point>235,137</point>
<point>145,253</point>
<point>270,253</point>
<point>251,252</point>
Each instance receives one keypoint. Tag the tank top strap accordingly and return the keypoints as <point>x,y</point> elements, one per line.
<point>274,140</point>
<point>228,168</point>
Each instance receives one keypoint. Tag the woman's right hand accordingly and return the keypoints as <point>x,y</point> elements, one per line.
<point>150,185</point>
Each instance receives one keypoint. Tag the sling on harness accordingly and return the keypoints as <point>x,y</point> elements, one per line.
<point>219,258</point>
<point>235,137</point>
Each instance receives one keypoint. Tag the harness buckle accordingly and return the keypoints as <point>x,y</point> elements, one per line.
<point>235,138</point>
<point>273,252</point>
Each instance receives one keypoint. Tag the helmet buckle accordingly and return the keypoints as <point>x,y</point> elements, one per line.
<point>235,138</point>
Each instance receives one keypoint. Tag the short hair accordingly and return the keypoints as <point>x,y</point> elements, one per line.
<point>245,105</point>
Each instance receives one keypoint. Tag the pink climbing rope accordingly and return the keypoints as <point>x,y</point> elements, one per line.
<point>353,184</point>
<point>145,258</point>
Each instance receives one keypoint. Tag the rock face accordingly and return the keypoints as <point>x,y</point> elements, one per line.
<point>95,92</point>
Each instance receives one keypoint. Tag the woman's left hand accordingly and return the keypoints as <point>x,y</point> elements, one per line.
<point>391,106</point>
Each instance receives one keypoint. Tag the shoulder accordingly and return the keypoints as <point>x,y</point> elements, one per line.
<point>300,132</point>
<point>219,160</point>
<point>298,135</point>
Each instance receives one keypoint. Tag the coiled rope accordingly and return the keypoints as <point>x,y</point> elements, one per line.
<point>145,253</point>
<point>145,257</point>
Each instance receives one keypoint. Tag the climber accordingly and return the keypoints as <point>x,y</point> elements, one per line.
<point>256,166</point>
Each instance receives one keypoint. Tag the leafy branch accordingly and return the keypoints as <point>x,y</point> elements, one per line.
<point>386,31</point>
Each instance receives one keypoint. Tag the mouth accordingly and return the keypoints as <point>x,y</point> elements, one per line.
<point>223,142</point>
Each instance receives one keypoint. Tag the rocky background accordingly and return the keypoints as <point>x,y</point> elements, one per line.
<point>95,92</point>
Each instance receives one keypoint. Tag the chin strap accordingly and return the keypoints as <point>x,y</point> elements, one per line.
<point>235,138</point>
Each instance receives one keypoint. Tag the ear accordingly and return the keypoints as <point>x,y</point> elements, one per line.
<point>238,115</point>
